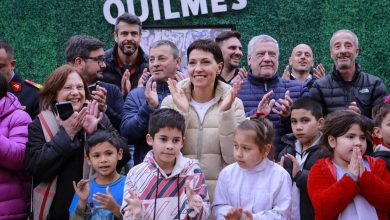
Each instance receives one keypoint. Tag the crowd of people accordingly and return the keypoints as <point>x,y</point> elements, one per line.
<point>215,142</point>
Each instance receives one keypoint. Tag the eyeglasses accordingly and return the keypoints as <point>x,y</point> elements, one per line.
<point>99,59</point>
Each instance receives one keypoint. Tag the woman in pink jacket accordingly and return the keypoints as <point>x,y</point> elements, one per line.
<point>15,184</point>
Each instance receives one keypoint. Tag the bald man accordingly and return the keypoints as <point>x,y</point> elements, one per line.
<point>301,62</point>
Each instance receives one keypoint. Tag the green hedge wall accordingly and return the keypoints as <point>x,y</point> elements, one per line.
<point>38,29</point>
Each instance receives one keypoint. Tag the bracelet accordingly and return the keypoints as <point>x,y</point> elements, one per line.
<point>260,114</point>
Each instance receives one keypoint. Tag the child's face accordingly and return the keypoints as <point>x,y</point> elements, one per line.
<point>343,145</point>
<point>246,151</point>
<point>383,132</point>
<point>103,157</point>
<point>305,126</point>
<point>167,143</point>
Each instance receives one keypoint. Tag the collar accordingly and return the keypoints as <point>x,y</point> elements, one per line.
<point>256,80</point>
<point>336,74</point>
<point>259,167</point>
<point>12,76</point>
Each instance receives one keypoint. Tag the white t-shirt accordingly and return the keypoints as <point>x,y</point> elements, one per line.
<point>201,108</point>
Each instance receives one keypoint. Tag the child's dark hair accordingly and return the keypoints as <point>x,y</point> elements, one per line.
<point>104,135</point>
<point>381,113</point>
<point>338,123</point>
<point>263,129</point>
<point>308,104</point>
<point>166,117</point>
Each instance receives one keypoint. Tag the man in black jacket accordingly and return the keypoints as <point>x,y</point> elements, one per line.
<point>348,86</point>
<point>126,61</point>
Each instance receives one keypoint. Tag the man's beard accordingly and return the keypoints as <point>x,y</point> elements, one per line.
<point>128,51</point>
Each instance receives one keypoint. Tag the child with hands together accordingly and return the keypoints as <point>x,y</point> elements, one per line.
<point>348,185</point>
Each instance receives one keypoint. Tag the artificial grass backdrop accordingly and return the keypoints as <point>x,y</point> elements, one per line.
<point>38,29</point>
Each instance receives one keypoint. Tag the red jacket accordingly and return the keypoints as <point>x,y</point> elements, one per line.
<point>330,197</point>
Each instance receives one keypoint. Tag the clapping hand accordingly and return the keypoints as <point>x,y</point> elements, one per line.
<point>265,105</point>
<point>151,93</point>
<point>236,213</point>
<point>283,105</point>
<point>194,200</point>
<point>134,205</point>
<point>92,118</point>
<point>227,101</point>
<point>125,83</point>
<point>355,166</point>
<point>354,108</point>
<point>286,73</point>
<point>74,123</point>
<point>100,95</point>
<point>319,71</point>
<point>142,79</point>
<point>82,189</point>
<point>178,96</point>
<point>107,201</point>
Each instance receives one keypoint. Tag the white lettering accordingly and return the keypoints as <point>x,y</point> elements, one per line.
<point>156,10</point>
<point>240,5</point>
<point>168,11</point>
<point>188,8</point>
<point>193,5</point>
<point>216,7</point>
<point>144,9</point>
<point>107,12</point>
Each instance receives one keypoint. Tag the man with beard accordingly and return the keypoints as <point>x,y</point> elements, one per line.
<point>348,86</point>
<point>25,90</point>
<point>301,62</point>
<point>142,101</point>
<point>86,54</point>
<point>126,61</point>
<point>229,42</point>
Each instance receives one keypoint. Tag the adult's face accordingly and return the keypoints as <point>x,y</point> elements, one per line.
<point>301,59</point>
<point>343,51</point>
<point>264,59</point>
<point>73,91</point>
<point>92,66</point>
<point>162,64</point>
<point>232,52</point>
<point>203,69</point>
<point>128,38</point>
<point>6,65</point>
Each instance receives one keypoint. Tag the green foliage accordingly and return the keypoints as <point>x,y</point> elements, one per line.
<point>38,29</point>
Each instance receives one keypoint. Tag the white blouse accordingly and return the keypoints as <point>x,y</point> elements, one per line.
<point>264,190</point>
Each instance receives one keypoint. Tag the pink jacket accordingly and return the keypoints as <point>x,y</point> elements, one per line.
<point>15,184</point>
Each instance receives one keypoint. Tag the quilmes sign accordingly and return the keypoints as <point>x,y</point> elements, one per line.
<point>188,8</point>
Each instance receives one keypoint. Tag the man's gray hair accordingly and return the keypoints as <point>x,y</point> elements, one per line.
<point>174,49</point>
<point>345,31</point>
<point>261,38</point>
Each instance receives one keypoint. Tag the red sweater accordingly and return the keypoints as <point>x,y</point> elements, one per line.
<point>330,197</point>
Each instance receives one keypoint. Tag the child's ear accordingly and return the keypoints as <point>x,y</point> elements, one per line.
<point>87,158</point>
<point>332,141</point>
<point>378,132</point>
<point>320,123</point>
<point>149,139</point>
<point>120,154</point>
<point>266,149</point>
<point>183,141</point>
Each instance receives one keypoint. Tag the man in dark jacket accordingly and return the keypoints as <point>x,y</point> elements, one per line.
<point>126,61</point>
<point>25,90</point>
<point>86,54</point>
<point>142,101</point>
<point>263,58</point>
<point>348,86</point>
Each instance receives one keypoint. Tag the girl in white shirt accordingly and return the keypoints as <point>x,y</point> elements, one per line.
<point>254,187</point>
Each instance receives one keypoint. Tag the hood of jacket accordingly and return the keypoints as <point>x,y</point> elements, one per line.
<point>8,104</point>
<point>183,166</point>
